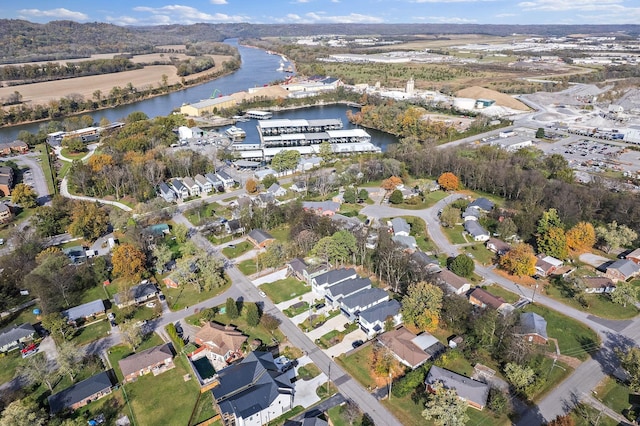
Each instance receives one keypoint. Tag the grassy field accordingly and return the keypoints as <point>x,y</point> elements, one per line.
<point>614,395</point>
<point>357,365</point>
<point>574,339</point>
<point>308,372</point>
<point>286,289</point>
<point>507,295</point>
<point>46,167</point>
<point>179,298</point>
<point>247,267</point>
<point>480,253</point>
<point>8,365</point>
<point>454,234</point>
<point>237,250</point>
<point>280,233</point>
<point>198,215</point>
<point>598,304</point>
<point>92,332</point>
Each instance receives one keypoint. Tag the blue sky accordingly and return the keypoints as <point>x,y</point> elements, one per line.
<point>155,12</point>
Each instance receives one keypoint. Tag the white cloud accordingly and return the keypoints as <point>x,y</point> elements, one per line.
<point>449,20</point>
<point>218,1</point>
<point>565,5</point>
<point>60,13</point>
<point>322,17</point>
<point>180,14</point>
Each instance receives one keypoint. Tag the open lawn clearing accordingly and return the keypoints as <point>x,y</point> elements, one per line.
<point>204,410</point>
<point>575,340</point>
<point>296,309</point>
<point>429,199</point>
<point>334,337</point>
<point>338,418</point>
<point>46,166</point>
<point>614,395</point>
<point>91,332</point>
<point>280,233</point>
<point>73,155</point>
<point>597,304</point>
<point>455,361</point>
<point>357,365</point>
<point>187,295</point>
<point>94,293</point>
<point>552,375</point>
<point>8,365</point>
<point>286,289</point>
<point>507,295</point>
<point>20,317</point>
<point>308,372</point>
<point>216,240</point>
<point>454,234</point>
<point>118,352</point>
<point>199,214</point>
<point>247,267</point>
<point>585,415</point>
<point>171,400</point>
<point>480,253</point>
<point>237,250</point>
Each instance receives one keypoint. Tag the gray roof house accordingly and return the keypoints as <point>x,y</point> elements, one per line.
<point>407,242</point>
<point>482,204</point>
<point>475,393</point>
<point>260,238</point>
<point>157,359</point>
<point>622,270</point>
<point>137,294</point>
<point>166,193</point>
<point>320,283</point>
<point>226,179</point>
<point>81,393</point>
<point>373,320</point>
<point>253,391</point>
<point>12,336</point>
<point>179,188</point>
<point>471,214</point>
<point>346,222</point>
<point>214,179</point>
<point>85,310</point>
<point>533,327</point>
<point>452,282</point>
<point>345,288</point>
<point>400,226</point>
<point>477,232</point>
<point>203,183</point>
<point>234,226</point>
<point>352,305</point>
<point>298,186</point>
<point>277,190</point>
<point>192,186</point>
<point>424,263</point>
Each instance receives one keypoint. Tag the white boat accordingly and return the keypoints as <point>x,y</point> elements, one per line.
<point>281,67</point>
<point>235,133</point>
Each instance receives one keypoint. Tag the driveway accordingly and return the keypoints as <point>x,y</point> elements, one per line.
<point>335,323</point>
<point>347,343</point>
<point>593,259</point>
<point>305,394</point>
<point>272,277</point>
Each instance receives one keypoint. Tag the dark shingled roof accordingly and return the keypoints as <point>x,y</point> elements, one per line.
<point>348,287</point>
<point>335,276</point>
<point>78,392</point>
<point>144,359</point>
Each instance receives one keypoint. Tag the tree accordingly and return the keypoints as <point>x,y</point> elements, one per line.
<point>270,322</point>
<point>382,362</point>
<point>162,255</point>
<point>444,407</point>
<point>69,359</point>
<point>285,160</point>
<point>23,412</point>
<point>251,186</point>
<point>231,308</point>
<point>507,228</point>
<point>553,242</point>
<point>36,369</point>
<point>363,195</point>
<point>128,262</point>
<point>450,216</point>
<point>336,248</point>
<point>549,219</point>
<point>88,220</point>
<point>540,133</point>
<point>422,304</point>
<point>181,233</point>
<point>24,195</point>
<point>350,195</point>
<point>57,325</point>
<point>498,401</point>
<point>462,265</point>
<point>326,151</point>
<point>581,237</point>
<point>625,293</point>
<point>630,361</point>
<point>519,261</point>
<point>448,181</point>
<point>614,236</point>
<point>565,420</point>
<point>131,333</point>
<point>269,180</point>
<point>396,197</point>
<point>520,377</point>
<point>391,183</point>
<point>253,314</point>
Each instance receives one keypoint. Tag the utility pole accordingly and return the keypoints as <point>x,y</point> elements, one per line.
<point>390,383</point>
<point>534,294</point>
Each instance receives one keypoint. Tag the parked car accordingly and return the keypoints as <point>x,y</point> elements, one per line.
<point>357,344</point>
<point>262,293</point>
<point>111,316</point>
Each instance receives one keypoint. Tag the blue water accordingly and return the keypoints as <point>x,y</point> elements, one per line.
<point>258,69</point>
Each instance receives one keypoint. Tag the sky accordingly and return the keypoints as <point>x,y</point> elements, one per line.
<point>158,12</point>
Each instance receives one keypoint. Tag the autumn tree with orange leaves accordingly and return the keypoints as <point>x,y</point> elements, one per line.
<point>448,181</point>
<point>581,237</point>
<point>391,183</point>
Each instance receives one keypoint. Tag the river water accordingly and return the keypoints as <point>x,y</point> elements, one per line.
<point>258,69</point>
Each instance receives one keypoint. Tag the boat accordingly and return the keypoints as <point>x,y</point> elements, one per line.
<point>281,67</point>
<point>235,133</point>
<point>289,68</point>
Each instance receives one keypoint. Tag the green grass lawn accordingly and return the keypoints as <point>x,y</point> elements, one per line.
<point>454,234</point>
<point>429,200</point>
<point>598,304</point>
<point>574,338</point>
<point>94,293</point>
<point>198,215</point>
<point>551,377</point>
<point>308,372</point>
<point>334,336</point>
<point>614,395</point>
<point>46,167</point>
<point>72,155</point>
<point>456,362</point>
<point>20,317</point>
<point>92,332</point>
<point>280,233</point>
<point>247,267</point>
<point>357,365</point>
<point>286,289</point>
<point>480,253</point>
<point>237,250</point>
<point>338,418</point>
<point>187,295</point>
<point>507,295</point>
<point>8,365</point>
<point>292,312</point>
<point>171,401</point>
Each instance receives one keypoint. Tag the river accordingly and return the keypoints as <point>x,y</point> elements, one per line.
<point>258,69</point>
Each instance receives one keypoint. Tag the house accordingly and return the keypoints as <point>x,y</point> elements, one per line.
<point>483,299</point>
<point>264,199</point>
<point>76,254</point>
<point>346,222</point>
<point>452,282</point>
<point>166,193</point>
<point>482,204</point>
<point>253,391</point>
<point>320,283</point>
<point>352,305</point>
<point>497,246</point>
<point>321,208</point>
<point>192,186</point>
<point>277,190</point>
<point>154,360</point>
<point>622,270</point>
<point>5,213</point>
<point>533,328</point>
<point>204,184</point>
<point>298,186</point>
<point>336,292</point>
<point>309,163</point>
<point>409,349</point>
<point>634,256</point>
<point>225,178</point>
<point>475,393</point>
<point>157,231</point>
<point>6,180</point>
<point>11,337</point>
<point>233,226</point>
<point>421,261</point>
<point>476,231</point>
<point>261,174</point>
<point>223,341</point>
<point>137,294</point>
<point>547,265</point>
<point>598,285</point>
<point>471,214</point>
<point>81,393</point>
<point>179,188</point>
<point>307,421</point>
<point>18,146</point>
<point>85,311</point>
<point>400,227</point>
<point>406,242</point>
<point>304,272</point>
<point>260,238</point>
<point>373,321</point>
<point>215,181</point>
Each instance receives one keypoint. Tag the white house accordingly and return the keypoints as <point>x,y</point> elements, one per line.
<point>335,293</point>
<point>400,227</point>
<point>204,184</point>
<point>476,231</point>
<point>179,188</point>
<point>277,190</point>
<point>351,306</point>
<point>372,321</point>
<point>225,178</point>
<point>192,186</point>
<point>320,283</point>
